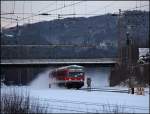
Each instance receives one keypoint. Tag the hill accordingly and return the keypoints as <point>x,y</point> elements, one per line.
<point>92,37</point>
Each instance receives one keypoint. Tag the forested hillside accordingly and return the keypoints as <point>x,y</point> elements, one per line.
<point>92,37</point>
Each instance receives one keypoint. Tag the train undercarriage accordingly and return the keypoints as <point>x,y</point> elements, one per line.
<point>69,85</point>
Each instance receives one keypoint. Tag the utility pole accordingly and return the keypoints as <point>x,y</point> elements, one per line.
<point>119,26</point>
<point>119,38</point>
<point>129,61</point>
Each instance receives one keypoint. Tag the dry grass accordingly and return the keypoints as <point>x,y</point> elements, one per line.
<point>18,101</point>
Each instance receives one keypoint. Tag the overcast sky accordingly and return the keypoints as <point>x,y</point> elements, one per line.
<point>30,9</point>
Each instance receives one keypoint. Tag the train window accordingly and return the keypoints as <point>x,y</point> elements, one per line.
<point>61,73</point>
<point>74,74</point>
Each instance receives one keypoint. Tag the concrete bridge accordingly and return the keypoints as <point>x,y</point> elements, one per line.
<point>109,61</point>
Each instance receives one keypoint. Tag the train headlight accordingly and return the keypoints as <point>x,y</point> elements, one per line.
<point>81,80</point>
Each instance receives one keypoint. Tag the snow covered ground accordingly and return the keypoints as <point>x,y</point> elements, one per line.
<point>62,100</point>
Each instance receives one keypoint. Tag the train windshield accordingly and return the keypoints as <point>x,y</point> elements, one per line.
<point>76,74</point>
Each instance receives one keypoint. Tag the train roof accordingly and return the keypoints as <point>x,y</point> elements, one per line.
<point>70,67</point>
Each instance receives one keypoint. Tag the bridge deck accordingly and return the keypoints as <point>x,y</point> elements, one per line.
<point>58,61</point>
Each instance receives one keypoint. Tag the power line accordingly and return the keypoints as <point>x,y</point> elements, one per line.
<point>131,9</point>
<point>15,19</point>
<point>52,10</point>
<point>6,13</point>
<point>74,9</point>
<point>137,7</point>
<point>14,13</point>
<point>7,20</point>
<point>108,5</point>
<point>46,6</point>
<point>56,10</point>
<point>13,9</point>
<point>51,14</point>
<point>23,10</point>
<point>31,10</point>
<point>47,13</point>
<point>11,13</point>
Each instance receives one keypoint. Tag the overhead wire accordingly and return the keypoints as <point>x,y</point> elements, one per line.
<point>51,14</point>
<point>13,13</point>
<point>31,12</point>
<point>8,18</point>
<point>52,10</point>
<point>104,7</point>
<point>62,7</point>
<point>47,6</point>
<point>85,8</point>
<point>136,4</point>
<point>74,10</point>
<point>130,9</point>
<point>23,10</point>
<point>138,7</point>
<point>7,13</point>
<point>64,3</point>
<point>12,9</point>
<point>57,17</point>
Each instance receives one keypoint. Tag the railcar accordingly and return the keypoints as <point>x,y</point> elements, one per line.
<point>72,76</point>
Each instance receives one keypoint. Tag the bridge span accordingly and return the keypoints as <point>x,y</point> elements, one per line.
<point>105,61</point>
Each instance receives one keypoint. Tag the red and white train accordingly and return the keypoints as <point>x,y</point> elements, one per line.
<point>72,76</point>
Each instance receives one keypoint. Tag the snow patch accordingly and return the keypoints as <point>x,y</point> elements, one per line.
<point>42,80</point>
<point>143,51</point>
<point>99,76</point>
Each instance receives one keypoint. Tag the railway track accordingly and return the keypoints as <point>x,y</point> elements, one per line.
<point>109,90</point>
<point>105,90</point>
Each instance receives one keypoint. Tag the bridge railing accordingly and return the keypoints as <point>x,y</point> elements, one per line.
<point>59,61</point>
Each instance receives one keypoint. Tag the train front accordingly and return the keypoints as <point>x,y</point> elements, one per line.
<point>75,78</point>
